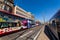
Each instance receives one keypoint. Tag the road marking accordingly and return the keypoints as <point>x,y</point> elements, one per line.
<point>35,38</point>
<point>26,34</point>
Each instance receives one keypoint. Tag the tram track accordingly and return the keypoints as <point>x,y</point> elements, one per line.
<point>13,36</point>
<point>26,34</point>
<point>29,36</point>
<point>21,33</point>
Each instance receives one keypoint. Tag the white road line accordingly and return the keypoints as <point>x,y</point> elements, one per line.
<point>37,34</point>
<point>26,34</point>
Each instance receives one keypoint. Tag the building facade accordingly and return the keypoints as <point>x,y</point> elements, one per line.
<point>22,13</point>
<point>9,12</point>
<point>7,5</point>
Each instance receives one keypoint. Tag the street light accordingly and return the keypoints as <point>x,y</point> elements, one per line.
<point>43,18</point>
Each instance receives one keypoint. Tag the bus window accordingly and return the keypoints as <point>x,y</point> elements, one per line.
<point>9,24</point>
<point>14,24</point>
<point>0,24</point>
<point>4,25</point>
<point>18,24</point>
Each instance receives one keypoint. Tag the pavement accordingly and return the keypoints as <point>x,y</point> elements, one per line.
<point>42,35</point>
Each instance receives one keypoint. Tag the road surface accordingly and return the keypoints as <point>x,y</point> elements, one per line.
<point>27,34</point>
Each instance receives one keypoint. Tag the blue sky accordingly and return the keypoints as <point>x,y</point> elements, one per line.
<point>40,8</point>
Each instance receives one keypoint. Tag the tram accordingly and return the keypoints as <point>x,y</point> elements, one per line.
<point>8,27</point>
<point>9,22</point>
<point>54,24</point>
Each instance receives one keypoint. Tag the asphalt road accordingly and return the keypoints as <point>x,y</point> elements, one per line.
<point>27,34</point>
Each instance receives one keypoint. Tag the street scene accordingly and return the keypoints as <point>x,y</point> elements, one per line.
<point>29,19</point>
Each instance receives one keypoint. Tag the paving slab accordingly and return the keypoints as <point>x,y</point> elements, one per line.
<point>42,35</point>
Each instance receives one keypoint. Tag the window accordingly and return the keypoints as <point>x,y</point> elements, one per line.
<point>0,6</point>
<point>7,8</point>
<point>0,24</point>
<point>20,14</point>
<point>8,3</point>
<point>10,9</point>
<point>3,6</point>
<point>4,24</point>
<point>5,1</point>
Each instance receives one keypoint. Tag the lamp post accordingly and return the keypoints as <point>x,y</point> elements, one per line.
<point>43,19</point>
